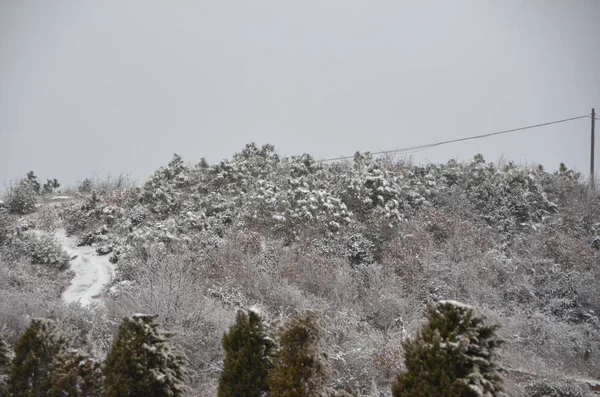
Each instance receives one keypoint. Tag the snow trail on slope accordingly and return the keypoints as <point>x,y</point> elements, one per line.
<point>92,272</point>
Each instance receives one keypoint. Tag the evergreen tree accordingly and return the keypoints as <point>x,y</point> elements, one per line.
<point>50,186</point>
<point>144,361</point>
<point>248,353</point>
<point>75,374</point>
<point>33,181</point>
<point>453,357</point>
<point>34,354</point>
<point>6,357</point>
<point>300,366</point>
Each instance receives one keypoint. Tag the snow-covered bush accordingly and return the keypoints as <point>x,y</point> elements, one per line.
<point>80,217</point>
<point>110,214</point>
<point>39,250</point>
<point>21,198</point>
<point>288,208</point>
<point>506,197</point>
<point>98,235</point>
<point>160,193</point>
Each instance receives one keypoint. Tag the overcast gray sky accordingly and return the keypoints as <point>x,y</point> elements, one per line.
<point>118,86</point>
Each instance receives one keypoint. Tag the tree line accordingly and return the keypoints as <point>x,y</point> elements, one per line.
<point>454,354</point>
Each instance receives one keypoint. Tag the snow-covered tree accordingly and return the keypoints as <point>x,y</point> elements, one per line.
<point>33,181</point>
<point>50,186</point>
<point>144,361</point>
<point>75,374</point>
<point>162,192</point>
<point>35,352</point>
<point>21,198</point>
<point>455,355</point>
<point>301,367</point>
<point>249,348</point>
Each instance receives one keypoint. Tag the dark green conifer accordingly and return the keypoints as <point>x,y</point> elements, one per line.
<point>144,362</point>
<point>300,368</point>
<point>34,355</point>
<point>33,181</point>
<point>75,374</point>
<point>455,356</point>
<point>248,357</point>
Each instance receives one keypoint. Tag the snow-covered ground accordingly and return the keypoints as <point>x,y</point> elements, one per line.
<point>92,272</point>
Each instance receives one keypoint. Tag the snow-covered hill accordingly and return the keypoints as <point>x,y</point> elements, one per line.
<point>370,242</point>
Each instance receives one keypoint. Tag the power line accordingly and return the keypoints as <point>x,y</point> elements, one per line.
<point>430,145</point>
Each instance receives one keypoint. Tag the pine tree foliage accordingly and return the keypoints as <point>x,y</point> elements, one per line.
<point>454,356</point>
<point>6,357</point>
<point>34,355</point>
<point>144,361</point>
<point>75,374</point>
<point>249,348</point>
<point>301,367</point>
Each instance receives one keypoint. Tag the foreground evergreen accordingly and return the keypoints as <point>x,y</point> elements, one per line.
<point>300,363</point>
<point>453,357</point>
<point>75,374</point>
<point>144,362</point>
<point>34,355</point>
<point>248,357</point>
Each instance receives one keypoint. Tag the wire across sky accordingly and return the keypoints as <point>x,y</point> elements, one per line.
<point>418,148</point>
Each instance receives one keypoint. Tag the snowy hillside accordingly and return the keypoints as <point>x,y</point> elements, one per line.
<point>369,242</point>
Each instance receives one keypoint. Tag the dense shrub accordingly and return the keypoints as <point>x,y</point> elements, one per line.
<point>21,198</point>
<point>39,250</point>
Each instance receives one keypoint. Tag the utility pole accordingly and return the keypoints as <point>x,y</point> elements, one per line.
<point>592,148</point>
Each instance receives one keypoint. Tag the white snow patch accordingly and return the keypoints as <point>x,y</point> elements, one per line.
<point>92,272</point>
<point>257,310</point>
<point>60,198</point>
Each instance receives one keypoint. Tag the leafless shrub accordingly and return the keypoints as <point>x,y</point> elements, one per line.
<point>48,217</point>
<point>110,183</point>
<point>568,251</point>
<point>27,292</point>
<point>167,284</point>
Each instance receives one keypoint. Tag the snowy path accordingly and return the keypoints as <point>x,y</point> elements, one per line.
<point>92,272</point>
